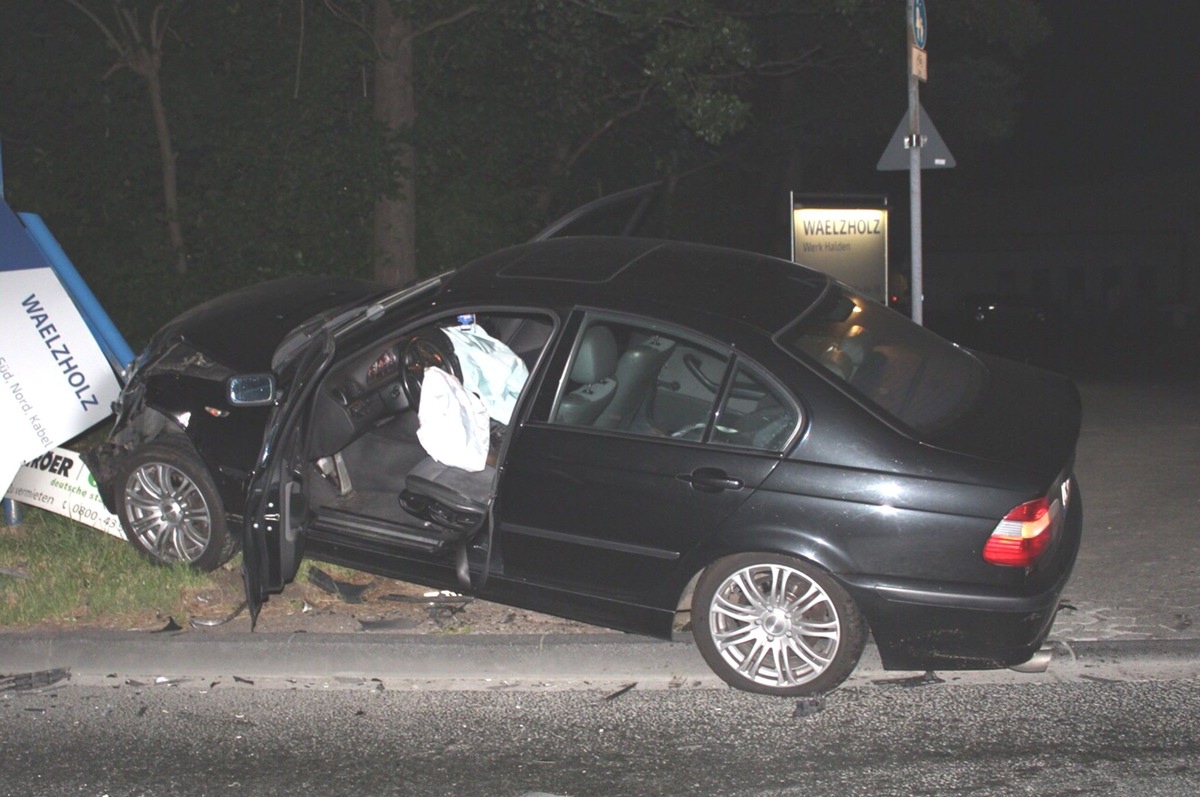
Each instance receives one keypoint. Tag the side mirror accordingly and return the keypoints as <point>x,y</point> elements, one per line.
<point>251,390</point>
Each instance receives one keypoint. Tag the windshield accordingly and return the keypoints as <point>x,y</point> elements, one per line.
<point>340,321</point>
<point>902,368</point>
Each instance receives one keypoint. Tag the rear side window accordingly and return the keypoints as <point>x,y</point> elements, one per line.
<point>902,368</point>
<point>642,380</point>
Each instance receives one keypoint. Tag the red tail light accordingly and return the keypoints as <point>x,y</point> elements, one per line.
<point>1025,532</point>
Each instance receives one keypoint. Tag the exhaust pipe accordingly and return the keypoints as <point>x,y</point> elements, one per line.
<point>1038,663</point>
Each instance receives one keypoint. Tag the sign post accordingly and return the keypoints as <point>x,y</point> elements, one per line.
<point>918,31</point>
<point>916,145</point>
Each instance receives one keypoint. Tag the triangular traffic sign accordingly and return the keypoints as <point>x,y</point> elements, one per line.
<point>934,152</point>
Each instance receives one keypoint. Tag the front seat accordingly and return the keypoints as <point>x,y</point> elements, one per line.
<point>593,370</point>
<point>637,373</point>
<point>451,498</point>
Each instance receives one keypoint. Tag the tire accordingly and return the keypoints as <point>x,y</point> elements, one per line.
<point>169,507</point>
<point>776,625</point>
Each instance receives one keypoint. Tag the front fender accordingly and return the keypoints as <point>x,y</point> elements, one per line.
<point>172,403</point>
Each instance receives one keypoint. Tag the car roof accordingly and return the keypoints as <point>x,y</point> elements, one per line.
<point>746,287</point>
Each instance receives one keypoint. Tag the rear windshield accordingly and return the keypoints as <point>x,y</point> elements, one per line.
<point>905,370</point>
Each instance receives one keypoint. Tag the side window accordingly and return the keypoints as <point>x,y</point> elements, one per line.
<point>689,386</point>
<point>615,381</point>
<point>630,378</point>
<point>755,414</point>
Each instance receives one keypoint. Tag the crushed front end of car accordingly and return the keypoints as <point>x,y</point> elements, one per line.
<point>190,419</point>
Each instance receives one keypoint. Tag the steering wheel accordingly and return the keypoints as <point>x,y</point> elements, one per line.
<point>428,348</point>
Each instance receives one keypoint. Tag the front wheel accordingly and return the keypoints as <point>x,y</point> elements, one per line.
<point>169,507</point>
<point>776,625</point>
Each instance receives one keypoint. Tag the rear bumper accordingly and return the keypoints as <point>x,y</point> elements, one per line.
<point>918,626</point>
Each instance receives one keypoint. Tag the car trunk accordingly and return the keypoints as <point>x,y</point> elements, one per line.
<point>1021,416</point>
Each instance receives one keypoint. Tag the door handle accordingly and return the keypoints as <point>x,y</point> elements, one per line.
<point>711,480</point>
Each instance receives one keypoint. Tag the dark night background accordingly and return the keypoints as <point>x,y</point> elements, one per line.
<point>1094,201</point>
<point>1074,199</point>
<point>1113,91</point>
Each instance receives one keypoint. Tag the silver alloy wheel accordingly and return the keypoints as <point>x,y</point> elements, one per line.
<point>168,513</point>
<point>774,625</point>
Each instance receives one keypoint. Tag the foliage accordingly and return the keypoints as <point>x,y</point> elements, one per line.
<point>612,88</point>
<point>272,181</point>
<point>525,108</point>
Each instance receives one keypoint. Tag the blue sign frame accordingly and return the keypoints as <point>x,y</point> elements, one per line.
<point>920,24</point>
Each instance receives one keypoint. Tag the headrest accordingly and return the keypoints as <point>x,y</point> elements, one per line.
<point>597,356</point>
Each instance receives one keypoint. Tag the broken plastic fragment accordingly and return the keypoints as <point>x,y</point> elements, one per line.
<point>396,624</point>
<point>169,627</point>
<point>441,613</point>
<point>431,598</point>
<point>928,679</point>
<point>350,593</point>
<point>621,691</point>
<point>26,681</point>
<point>198,623</point>
<point>809,706</point>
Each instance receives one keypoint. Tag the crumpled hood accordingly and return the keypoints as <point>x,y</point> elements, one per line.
<point>242,329</point>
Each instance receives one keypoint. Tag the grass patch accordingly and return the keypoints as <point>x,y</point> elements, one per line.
<point>58,573</point>
<point>72,575</point>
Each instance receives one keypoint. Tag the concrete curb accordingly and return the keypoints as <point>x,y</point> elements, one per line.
<point>585,657</point>
<point>451,661</point>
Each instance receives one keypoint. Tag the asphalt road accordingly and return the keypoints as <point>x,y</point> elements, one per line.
<point>1099,736</point>
<point>1138,463</point>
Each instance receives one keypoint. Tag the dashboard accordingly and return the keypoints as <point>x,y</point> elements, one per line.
<point>372,386</point>
<point>357,395</point>
<point>387,364</point>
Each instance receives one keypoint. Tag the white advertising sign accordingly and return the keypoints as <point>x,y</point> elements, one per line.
<point>849,244</point>
<point>55,382</point>
<point>58,481</point>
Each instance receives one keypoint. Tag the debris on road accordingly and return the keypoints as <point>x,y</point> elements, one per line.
<point>195,622</point>
<point>809,706</point>
<point>28,681</point>
<point>350,593</point>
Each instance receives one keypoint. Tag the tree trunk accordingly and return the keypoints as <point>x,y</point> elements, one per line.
<point>395,248</point>
<point>170,184</point>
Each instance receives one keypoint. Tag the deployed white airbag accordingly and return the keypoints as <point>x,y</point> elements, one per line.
<point>490,369</point>
<point>454,427</point>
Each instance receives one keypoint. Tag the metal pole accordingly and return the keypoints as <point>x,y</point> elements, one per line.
<point>13,512</point>
<point>916,288</point>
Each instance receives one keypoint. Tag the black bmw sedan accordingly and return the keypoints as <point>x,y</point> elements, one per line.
<point>619,430</point>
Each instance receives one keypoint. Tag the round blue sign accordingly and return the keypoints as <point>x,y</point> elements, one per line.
<point>920,24</point>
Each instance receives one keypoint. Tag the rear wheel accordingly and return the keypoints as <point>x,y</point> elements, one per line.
<point>776,625</point>
<point>169,507</point>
